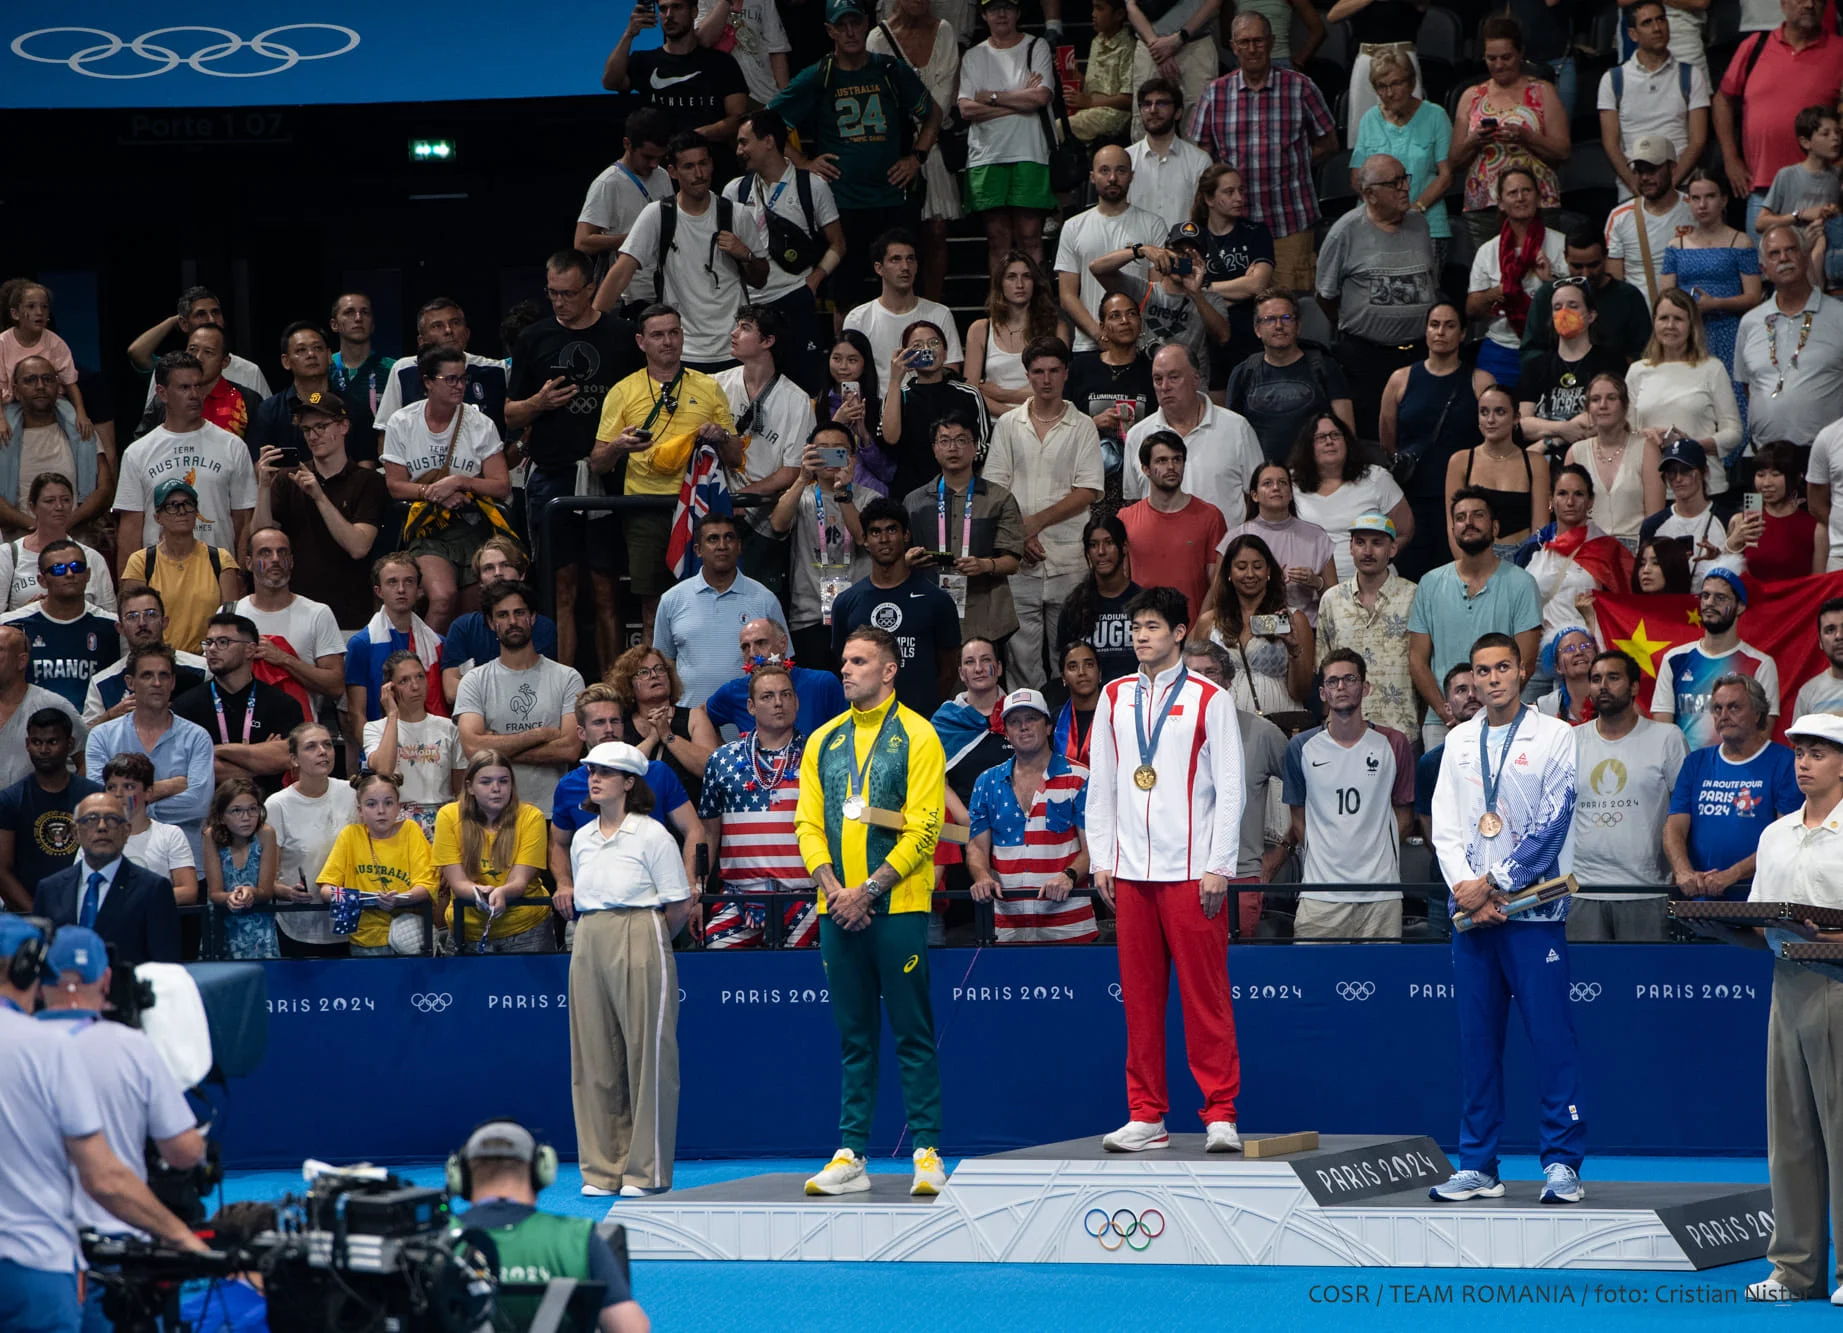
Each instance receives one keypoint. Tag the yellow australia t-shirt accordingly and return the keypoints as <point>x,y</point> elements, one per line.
<point>529,836</point>
<point>699,401</point>
<point>396,864</point>
<point>188,588</point>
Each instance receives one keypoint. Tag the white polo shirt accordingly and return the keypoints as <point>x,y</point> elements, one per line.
<point>1651,101</point>
<point>638,866</point>
<point>1795,864</point>
<point>45,1097</point>
<point>1222,455</point>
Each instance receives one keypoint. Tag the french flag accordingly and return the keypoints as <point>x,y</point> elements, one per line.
<point>704,491</point>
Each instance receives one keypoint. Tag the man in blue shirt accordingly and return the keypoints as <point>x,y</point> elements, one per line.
<point>396,628</point>
<point>1727,794</point>
<point>181,751</point>
<point>38,814</point>
<point>699,617</point>
<point>70,641</point>
<point>822,698</point>
<point>470,639</point>
<point>600,719</point>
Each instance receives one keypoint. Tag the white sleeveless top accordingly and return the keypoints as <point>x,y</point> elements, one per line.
<point>1005,369</point>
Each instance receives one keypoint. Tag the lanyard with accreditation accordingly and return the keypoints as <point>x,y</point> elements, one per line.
<point>952,582</point>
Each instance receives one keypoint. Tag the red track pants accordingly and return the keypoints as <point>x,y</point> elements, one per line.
<point>1159,925</point>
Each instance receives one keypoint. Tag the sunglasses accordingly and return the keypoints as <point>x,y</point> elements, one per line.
<point>65,567</point>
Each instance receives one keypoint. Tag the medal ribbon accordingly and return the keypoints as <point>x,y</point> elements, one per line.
<point>1148,747</point>
<point>857,780</point>
<point>1503,754</point>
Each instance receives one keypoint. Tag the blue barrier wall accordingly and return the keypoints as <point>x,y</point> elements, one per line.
<point>397,1059</point>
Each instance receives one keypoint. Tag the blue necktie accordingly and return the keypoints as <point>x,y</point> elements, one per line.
<point>92,899</point>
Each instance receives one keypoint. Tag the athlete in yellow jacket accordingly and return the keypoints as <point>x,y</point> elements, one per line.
<point>875,885</point>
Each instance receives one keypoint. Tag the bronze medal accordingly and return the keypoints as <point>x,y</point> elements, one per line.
<point>1490,824</point>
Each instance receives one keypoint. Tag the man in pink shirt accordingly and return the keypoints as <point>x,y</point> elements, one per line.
<point>1772,77</point>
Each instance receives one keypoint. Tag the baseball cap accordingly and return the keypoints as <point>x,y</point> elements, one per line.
<point>1024,699</point>
<point>1727,576</point>
<point>1373,522</point>
<point>1652,150</point>
<point>80,950</point>
<point>1185,233</point>
<point>1818,726</point>
<point>617,755</point>
<point>15,931</point>
<point>167,489</point>
<point>842,9</point>
<point>501,1138</point>
<point>327,404</point>
<point>1684,452</point>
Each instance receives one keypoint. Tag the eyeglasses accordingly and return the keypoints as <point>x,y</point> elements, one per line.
<point>223,641</point>
<point>1277,319</point>
<point>179,507</point>
<point>657,669</point>
<point>65,567</point>
<point>319,428</point>
<point>1336,682</point>
<point>151,613</point>
<point>1396,183</point>
<point>452,381</point>
<point>109,820</point>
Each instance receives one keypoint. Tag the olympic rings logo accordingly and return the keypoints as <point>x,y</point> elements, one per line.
<point>1133,1230</point>
<point>1114,990</point>
<point>164,58</point>
<point>1356,990</point>
<point>1584,992</point>
<point>431,1002</point>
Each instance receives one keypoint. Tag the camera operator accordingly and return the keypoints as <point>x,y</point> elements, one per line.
<point>54,1124</point>
<point>499,1172</point>
<point>138,1097</point>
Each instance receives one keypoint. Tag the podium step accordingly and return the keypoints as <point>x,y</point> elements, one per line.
<point>1355,1201</point>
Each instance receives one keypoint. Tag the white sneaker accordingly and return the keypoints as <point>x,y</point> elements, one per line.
<point>1137,1136</point>
<point>1772,1289</point>
<point>597,1192</point>
<point>930,1176</point>
<point>1221,1137</point>
<point>1836,1297</point>
<point>844,1174</point>
<point>643,1191</point>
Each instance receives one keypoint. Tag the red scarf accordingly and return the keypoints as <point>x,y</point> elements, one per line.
<point>1514,263</point>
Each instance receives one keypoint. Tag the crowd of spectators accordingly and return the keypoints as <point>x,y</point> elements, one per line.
<point>1355,354</point>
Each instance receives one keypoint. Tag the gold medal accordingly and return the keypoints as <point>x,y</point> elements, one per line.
<point>1490,824</point>
<point>1145,777</point>
<point>854,808</point>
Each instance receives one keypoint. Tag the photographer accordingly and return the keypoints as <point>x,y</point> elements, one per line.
<point>54,1123</point>
<point>499,1172</point>
<point>137,1095</point>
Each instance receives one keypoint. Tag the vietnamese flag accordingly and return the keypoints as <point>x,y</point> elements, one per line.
<point>1780,619</point>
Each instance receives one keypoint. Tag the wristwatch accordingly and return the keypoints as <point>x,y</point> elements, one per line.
<point>1185,36</point>
<point>842,495</point>
<point>921,154</point>
<point>1138,249</point>
<point>991,99</point>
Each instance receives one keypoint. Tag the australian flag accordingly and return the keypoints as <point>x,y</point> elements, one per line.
<point>704,491</point>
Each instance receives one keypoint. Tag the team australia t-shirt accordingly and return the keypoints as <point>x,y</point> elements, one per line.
<point>214,462</point>
<point>399,863</point>
<point>528,839</point>
<point>1729,805</point>
<point>409,441</point>
<point>1686,680</point>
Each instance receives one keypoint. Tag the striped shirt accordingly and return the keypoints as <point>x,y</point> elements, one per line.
<point>759,851</point>
<point>1264,131</point>
<point>1030,848</point>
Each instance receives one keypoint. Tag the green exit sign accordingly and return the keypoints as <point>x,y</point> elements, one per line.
<point>433,150</point>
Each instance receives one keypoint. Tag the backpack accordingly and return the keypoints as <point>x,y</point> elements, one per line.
<point>1753,58</point>
<point>880,65</point>
<point>1683,78</point>
<point>147,571</point>
<point>795,250</point>
<point>668,228</point>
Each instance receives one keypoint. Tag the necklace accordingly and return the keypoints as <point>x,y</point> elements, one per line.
<point>1772,344</point>
<point>1612,459</point>
<point>768,777</point>
<point>1046,421</point>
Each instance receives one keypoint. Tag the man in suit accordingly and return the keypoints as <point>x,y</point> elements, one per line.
<point>131,908</point>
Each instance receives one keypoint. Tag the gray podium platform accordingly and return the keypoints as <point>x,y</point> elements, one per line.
<point>1356,1201</point>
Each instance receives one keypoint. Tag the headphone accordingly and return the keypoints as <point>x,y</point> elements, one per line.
<point>459,1172</point>
<point>26,967</point>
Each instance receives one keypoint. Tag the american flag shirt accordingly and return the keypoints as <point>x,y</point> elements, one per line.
<point>1263,131</point>
<point>1029,848</point>
<point>759,851</point>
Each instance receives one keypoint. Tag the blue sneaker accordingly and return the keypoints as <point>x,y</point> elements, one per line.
<point>1468,1185</point>
<point>1561,1184</point>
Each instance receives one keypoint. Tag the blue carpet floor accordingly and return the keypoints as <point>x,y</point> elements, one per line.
<point>1023,1298</point>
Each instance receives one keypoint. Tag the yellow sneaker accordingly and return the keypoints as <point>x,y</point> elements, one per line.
<point>930,1176</point>
<point>844,1174</point>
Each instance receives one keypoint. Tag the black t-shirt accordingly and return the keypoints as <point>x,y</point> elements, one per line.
<point>44,826</point>
<point>922,406</point>
<point>593,359</point>
<point>1229,256</point>
<point>922,619</point>
<point>1559,388</point>
<point>323,569</point>
<point>1095,387</point>
<point>1279,400</point>
<point>691,90</point>
<point>1112,635</point>
<point>276,714</point>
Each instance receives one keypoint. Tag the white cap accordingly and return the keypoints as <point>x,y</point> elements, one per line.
<point>1653,148</point>
<point>618,755</point>
<point>1818,726</point>
<point>1024,699</point>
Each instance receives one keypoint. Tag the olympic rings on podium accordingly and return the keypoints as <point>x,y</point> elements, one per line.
<point>1134,1231</point>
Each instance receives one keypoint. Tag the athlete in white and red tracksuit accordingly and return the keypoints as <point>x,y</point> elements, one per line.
<point>1166,855</point>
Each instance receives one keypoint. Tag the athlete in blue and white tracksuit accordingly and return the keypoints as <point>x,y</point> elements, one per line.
<point>1526,956</point>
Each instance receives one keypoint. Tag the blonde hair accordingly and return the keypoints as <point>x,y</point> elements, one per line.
<point>1390,61</point>
<point>475,859</point>
<point>1696,349</point>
